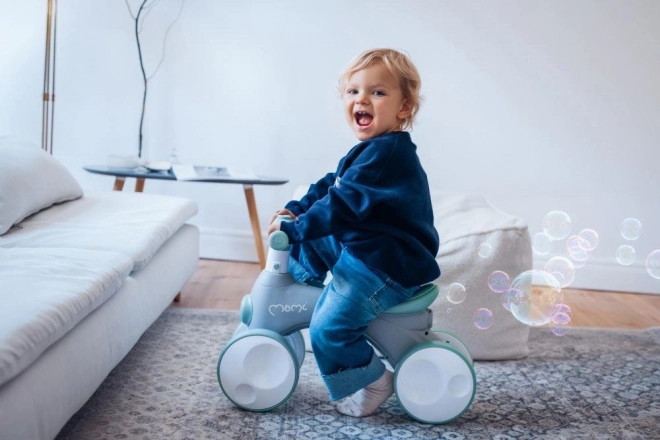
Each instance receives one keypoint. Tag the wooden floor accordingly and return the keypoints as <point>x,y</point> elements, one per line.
<point>222,284</point>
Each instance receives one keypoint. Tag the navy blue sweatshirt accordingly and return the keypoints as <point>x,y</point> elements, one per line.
<point>377,204</point>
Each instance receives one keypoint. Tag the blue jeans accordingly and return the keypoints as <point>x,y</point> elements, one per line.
<point>352,299</point>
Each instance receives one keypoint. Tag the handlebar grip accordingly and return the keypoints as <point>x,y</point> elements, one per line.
<point>278,240</point>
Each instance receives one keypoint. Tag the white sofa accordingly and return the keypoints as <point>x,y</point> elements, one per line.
<point>81,279</point>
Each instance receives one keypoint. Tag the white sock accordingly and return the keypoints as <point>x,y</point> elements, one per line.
<point>367,401</point>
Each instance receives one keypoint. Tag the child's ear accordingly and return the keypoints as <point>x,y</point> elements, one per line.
<point>405,111</point>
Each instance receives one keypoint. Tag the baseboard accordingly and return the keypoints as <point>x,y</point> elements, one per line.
<point>228,244</point>
<point>605,274</point>
<point>597,274</point>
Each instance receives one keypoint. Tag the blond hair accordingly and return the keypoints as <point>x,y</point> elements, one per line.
<point>401,69</point>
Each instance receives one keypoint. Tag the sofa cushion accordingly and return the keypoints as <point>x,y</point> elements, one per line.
<point>45,293</point>
<point>133,224</point>
<point>30,180</point>
<point>464,222</point>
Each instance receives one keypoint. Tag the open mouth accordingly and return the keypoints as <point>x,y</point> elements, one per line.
<point>363,119</point>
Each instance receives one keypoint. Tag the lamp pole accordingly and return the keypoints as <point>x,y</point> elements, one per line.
<point>49,79</point>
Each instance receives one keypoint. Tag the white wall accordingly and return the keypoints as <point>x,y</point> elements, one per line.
<point>538,105</point>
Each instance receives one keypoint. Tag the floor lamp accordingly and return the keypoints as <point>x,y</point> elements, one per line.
<point>49,79</point>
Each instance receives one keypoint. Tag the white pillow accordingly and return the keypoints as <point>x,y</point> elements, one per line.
<point>30,180</point>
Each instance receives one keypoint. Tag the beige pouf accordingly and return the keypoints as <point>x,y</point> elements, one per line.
<point>465,222</point>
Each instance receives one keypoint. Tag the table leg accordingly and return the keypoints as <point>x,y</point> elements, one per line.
<point>139,184</point>
<point>119,183</point>
<point>254,219</point>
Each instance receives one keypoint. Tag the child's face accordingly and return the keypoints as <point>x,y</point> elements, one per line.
<point>373,102</point>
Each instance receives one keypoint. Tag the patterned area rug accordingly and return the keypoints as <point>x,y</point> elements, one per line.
<point>590,384</point>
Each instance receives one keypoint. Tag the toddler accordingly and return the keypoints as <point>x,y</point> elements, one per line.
<point>370,223</point>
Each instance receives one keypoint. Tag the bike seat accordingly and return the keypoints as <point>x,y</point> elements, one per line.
<point>420,300</point>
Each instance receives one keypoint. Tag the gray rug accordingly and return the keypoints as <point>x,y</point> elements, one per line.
<point>590,384</point>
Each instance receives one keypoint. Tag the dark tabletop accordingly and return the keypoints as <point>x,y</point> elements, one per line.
<point>141,172</point>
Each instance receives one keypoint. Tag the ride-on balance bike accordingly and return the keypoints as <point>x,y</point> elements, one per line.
<point>258,369</point>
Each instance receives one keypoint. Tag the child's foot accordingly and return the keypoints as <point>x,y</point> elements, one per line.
<point>367,401</point>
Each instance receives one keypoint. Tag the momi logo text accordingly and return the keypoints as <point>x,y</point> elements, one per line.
<point>287,308</point>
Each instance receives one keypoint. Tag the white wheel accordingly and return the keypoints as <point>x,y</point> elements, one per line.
<point>258,370</point>
<point>434,382</point>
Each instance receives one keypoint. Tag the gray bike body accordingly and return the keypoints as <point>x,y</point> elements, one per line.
<point>258,369</point>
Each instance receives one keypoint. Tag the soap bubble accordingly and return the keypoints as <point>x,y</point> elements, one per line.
<point>653,264</point>
<point>510,296</point>
<point>631,229</point>
<point>589,240</point>
<point>540,293</point>
<point>576,247</point>
<point>576,244</point>
<point>561,268</point>
<point>557,225</point>
<point>483,319</point>
<point>448,310</point>
<point>456,293</point>
<point>561,318</point>
<point>498,281</point>
<point>485,250</point>
<point>578,264</point>
<point>625,255</point>
<point>560,329</point>
<point>562,308</point>
<point>541,243</point>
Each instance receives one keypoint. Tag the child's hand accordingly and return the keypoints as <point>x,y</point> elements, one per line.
<point>274,224</point>
<point>282,211</point>
<point>273,227</point>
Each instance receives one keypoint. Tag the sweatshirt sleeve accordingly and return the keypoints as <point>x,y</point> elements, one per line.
<point>349,200</point>
<point>315,192</point>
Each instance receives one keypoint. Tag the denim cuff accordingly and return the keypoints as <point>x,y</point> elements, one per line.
<point>347,382</point>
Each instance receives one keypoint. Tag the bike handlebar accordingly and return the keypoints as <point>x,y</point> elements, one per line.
<point>278,240</point>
